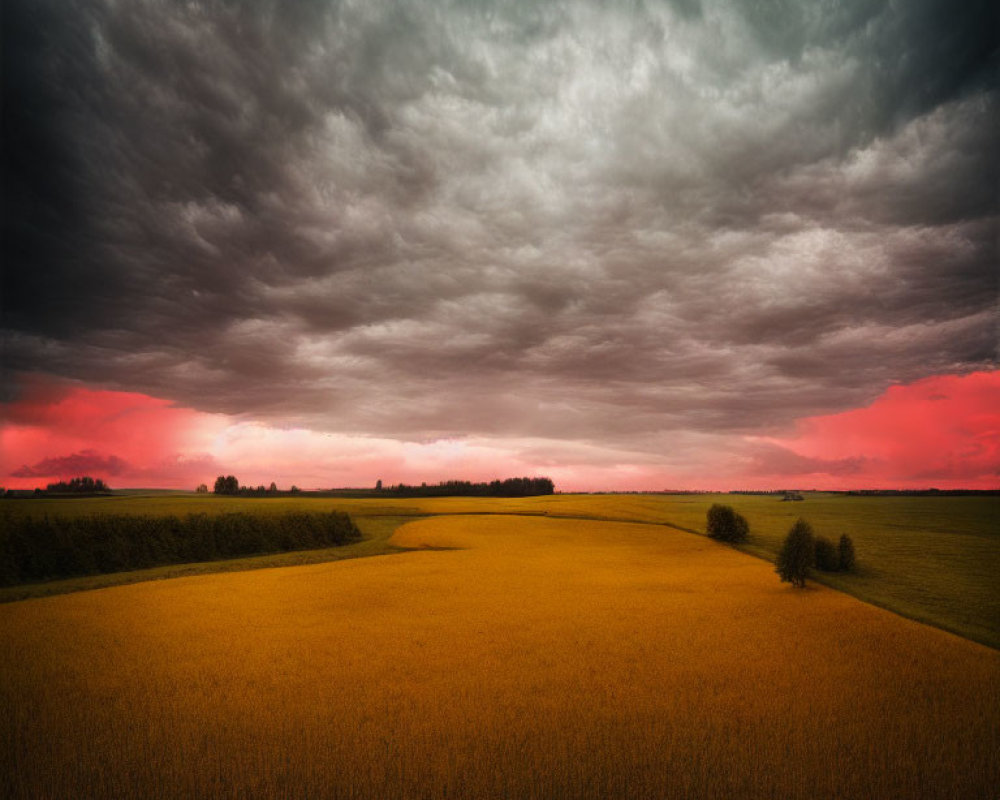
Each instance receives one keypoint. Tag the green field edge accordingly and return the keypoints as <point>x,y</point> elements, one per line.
<point>832,582</point>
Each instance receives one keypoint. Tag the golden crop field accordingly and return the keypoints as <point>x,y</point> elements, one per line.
<point>934,559</point>
<point>522,657</point>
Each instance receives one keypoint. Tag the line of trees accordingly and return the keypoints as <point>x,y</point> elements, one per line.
<point>47,548</point>
<point>511,487</point>
<point>82,485</point>
<point>803,549</point>
<point>924,492</point>
<point>229,485</point>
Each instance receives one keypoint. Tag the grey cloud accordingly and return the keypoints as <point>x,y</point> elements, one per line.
<point>771,459</point>
<point>551,220</point>
<point>938,169</point>
<point>85,462</point>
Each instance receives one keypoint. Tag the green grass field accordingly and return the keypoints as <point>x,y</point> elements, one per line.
<point>933,559</point>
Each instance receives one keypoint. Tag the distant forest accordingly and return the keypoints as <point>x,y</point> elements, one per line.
<point>511,487</point>
<point>922,492</point>
<point>74,486</point>
<point>84,485</point>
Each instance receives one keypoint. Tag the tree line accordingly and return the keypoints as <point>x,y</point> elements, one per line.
<point>229,485</point>
<point>511,487</point>
<point>48,548</point>
<point>81,485</point>
<point>77,486</point>
<point>801,551</point>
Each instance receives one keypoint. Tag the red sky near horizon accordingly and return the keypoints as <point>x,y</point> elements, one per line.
<point>942,431</point>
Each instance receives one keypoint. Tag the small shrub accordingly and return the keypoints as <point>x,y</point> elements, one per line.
<point>726,525</point>
<point>825,554</point>
<point>797,554</point>
<point>845,554</point>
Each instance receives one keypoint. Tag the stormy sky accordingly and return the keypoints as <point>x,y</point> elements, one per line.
<point>583,234</point>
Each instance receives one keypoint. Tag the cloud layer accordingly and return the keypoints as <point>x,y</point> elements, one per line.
<point>619,227</point>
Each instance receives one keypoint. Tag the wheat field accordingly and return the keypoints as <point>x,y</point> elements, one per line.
<point>508,657</point>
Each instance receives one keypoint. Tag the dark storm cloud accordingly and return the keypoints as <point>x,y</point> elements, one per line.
<point>554,220</point>
<point>85,462</point>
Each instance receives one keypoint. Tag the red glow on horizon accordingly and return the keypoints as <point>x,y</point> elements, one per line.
<point>57,430</point>
<point>943,431</point>
<point>940,432</point>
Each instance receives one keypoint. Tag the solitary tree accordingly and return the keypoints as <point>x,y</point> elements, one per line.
<point>202,489</point>
<point>797,554</point>
<point>273,488</point>
<point>845,552</point>
<point>726,525</point>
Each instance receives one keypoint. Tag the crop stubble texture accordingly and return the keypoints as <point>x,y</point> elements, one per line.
<point>542,658</point>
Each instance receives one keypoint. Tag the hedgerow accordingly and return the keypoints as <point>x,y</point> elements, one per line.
<point>47,548</point>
